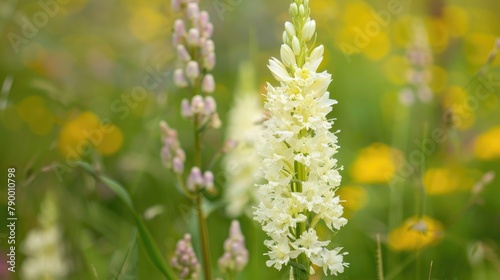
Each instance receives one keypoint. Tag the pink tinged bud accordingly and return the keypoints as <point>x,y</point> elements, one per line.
<point>208,30</point>
<point>178,165</point>
<point>204,18</point>
<point>197,104</point>
<point>186,109</point>
<point>192,70</point>
<point>208,180</point>
<point>195,179</point>
<point>179,79</point>
<point>193,11</point>
<point>176,5</point>
<point>210,105</point>
<point>183,53</point>
<point>209,61</point>
<point>179,28</point>
<point>180,154</point>
<point>208,84</point>
<point>193,38</point>
<point>208,47</point>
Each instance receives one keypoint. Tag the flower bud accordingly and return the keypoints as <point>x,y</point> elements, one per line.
<point>302,10</point>
<point>176,5</point>
<point>207,47</point>
<point>186,108</point>
<point>285,37</point>
<point>193,38</point>
<point>178,165</point>
<point>183,53</point>
<point>208,180</point>
<point>209,61</point>
<point>294,9</point>
<point>287,56</point>
<point>210,105</point>
<point>204,18</point>
<point>296,45</point>
<point>195,179</point>
<point>179,28</point>
<point>193,11</point>
<point>290,29</point>
<point>308,30</point>
<point>317,53</point>
<point>197,104</point>
<point>208,30</point>
<point>179,79</point>
<point>192,70</point>
<point>215,121</point>
<point>208,84</point>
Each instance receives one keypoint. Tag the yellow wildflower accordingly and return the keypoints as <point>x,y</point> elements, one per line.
<point>439,181</point>
<point>487,145</point>
<point>376,163</point>
<point>416,233</point>
<point>354,198</point>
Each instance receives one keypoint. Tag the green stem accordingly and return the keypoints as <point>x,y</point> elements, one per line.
<point>302,260</point>
<point>199,204</point>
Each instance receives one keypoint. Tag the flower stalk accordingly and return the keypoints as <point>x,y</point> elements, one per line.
<point>196,56</point>
<point>298,151</point>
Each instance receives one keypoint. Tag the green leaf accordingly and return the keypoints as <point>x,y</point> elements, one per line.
<point>147,241</point>
<point>124,266</point>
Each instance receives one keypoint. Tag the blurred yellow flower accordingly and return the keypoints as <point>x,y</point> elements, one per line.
<point>438,34</point>
<point>33,111</point>
<point>354,198</point>
<point>478,47</point>
<point>487,145</point>
<point>455,102</point>
<point>415,233</point>
<point>439,79</point>
<point>376,163</point>
<point>440,181</point>
<point>457,20</point>
<point>149,24</point>
<point>378,48</point>
<point>84,131</point>
<point>111,141</point>
<point>401,30</point>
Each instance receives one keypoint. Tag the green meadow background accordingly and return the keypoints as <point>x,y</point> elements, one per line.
<point>81,65</point>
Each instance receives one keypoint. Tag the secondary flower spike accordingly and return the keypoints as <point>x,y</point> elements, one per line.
<point>298,152</point>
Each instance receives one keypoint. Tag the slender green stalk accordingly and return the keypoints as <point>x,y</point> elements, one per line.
<point>199,206</point>
<point>302,260</point>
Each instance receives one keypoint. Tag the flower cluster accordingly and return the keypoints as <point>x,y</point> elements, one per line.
<point>171,153</point>
<point>197,181</point>
<point>204,109</point>
<point>43,249</point>
<point>184,260</point>
<point>235,256</point>
<point>242,162</point>
<point>298,154</point>
<point>419,76</point>
<point>195,48</point>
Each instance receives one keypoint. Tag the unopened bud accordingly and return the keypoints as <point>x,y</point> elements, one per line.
<point>183,53</point>
<point>209,61</point>
<point>290,29</point>
<point>215,121</point>
<point>195,178</point>
<point>192,70</point>
<point>193,11</point>
<point>179,28</point>
<point>296,45</point>
<point>193,38</point>
<point>176,5</point>
<point>179,78</point>
<point>287,56</point>
<point>208,179</point>
<point>186,109</point>
<point>308,30</point>
<point>197,104</point>
<point>178,165</point>
<point>210,105</point>
<point>208,84</point>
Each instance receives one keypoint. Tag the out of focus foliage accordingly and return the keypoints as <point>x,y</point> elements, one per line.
<point>419,164</point>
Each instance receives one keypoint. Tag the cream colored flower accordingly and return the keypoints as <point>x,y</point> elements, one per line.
<point>297,150</point>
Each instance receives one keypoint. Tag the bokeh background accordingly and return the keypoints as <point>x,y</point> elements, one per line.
<point>76,68</point>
